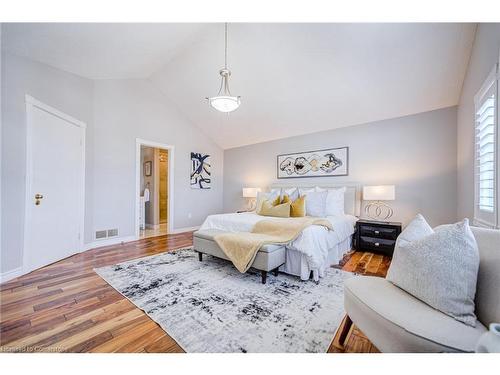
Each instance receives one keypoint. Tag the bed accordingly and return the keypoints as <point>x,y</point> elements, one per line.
<point>316,248</point>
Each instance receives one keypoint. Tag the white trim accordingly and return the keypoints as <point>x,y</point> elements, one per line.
<point>108,242</point>
<point>489,81</point>
<point>29,99</point>
<point>142,142</point>
<point>489,220</point>
<point>186,229</point>
<point>12,274</point>
<point>483,224</point>
<point>30,104</point>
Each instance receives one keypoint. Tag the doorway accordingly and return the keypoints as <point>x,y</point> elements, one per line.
<point>55,185</point>
<point>154,213</point>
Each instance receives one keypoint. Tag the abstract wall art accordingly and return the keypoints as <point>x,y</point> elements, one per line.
<point>320,163</point>
<point>200,171</point>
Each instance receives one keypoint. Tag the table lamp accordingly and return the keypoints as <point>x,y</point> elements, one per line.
<point>377,209</point>
<point>250,194</point>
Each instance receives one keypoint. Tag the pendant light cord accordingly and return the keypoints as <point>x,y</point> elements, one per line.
<point>224,83</point>
<point>225,45</point>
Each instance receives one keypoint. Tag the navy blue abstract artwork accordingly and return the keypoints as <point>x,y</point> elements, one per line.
<point>200,171</point>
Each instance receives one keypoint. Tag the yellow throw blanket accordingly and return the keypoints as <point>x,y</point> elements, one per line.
<point>241,248</point>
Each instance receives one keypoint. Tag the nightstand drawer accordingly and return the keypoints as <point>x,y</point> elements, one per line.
<point>379,232</point>
<point>380,244</point>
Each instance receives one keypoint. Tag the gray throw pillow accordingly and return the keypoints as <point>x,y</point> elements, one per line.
<point>417,229</point>
<point>440,269</point>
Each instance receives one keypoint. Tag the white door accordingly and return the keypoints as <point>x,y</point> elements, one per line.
<point>55,185</point>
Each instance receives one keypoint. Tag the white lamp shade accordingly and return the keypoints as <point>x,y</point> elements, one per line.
<point>379,193</point>
<point>250,192</point>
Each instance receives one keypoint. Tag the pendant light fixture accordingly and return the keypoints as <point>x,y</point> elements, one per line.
<point>224,101</point>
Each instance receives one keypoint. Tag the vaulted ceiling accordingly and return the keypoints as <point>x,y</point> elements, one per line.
<point>100,50</point>
<point>293,78</point>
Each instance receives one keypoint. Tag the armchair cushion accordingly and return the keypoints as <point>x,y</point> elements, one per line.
<point>395,321</point>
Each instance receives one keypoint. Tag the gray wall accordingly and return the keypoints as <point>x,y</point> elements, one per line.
<point>129,109</point>
<point>116,112</point>
<point>484,55</point>
<point>416,153</point>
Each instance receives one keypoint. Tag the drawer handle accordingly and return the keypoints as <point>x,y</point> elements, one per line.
<point>377,244</point>
<point>377,232</point>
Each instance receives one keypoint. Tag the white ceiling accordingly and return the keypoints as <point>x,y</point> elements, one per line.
<point>293,78</point>
<point>100,50</point>
<point>301,78</point>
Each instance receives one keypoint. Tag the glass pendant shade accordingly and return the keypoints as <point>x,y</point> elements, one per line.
<point>224,103</point>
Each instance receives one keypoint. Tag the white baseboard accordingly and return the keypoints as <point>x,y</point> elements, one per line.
<point>107,242</point>
<point>182,230</point>
<point>12,274</point>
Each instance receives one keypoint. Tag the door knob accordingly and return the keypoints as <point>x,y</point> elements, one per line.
<point>38,197</point>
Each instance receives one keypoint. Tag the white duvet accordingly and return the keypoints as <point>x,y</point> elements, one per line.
<point>314,242</point>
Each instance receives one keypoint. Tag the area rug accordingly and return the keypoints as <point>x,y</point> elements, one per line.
<point>210,307</point>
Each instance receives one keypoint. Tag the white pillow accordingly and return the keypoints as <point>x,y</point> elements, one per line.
<point>417,229</point>
<point>275,191</point>
<point>293,193</point>
<point>316,203</point>
<point>334,201</point>
<point>305,191</point>
<point>440,269</point>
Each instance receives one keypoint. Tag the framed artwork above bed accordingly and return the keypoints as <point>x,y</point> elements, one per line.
<point>321,163</point>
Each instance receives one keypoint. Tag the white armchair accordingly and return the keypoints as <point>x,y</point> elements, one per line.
<point>395,321</point>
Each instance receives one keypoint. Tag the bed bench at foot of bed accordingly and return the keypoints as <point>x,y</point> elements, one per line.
<point>268,258</point>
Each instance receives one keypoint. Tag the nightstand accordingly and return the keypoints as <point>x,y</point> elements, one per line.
<point>378,236</point>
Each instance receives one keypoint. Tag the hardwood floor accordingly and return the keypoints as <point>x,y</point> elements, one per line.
<point>369,264</point>
<point>67,307</point>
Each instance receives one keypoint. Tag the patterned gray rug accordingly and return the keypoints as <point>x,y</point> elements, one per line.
<point>210,307</point>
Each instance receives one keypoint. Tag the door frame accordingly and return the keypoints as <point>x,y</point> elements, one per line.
<point>142,142</point>
<point>32,103</point>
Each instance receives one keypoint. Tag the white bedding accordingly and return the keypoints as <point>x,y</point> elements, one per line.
<point>314,242</point>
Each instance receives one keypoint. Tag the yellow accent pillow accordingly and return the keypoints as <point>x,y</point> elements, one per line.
<point>273,203</point>
<point>280,210</point>
<point>298,207</point>
<point>276,201</point>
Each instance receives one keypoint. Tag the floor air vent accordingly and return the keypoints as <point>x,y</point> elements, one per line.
<point>100,234</point>
<point>112,232</point>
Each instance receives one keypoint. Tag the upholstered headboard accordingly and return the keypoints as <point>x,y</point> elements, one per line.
<point>352,201</point>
